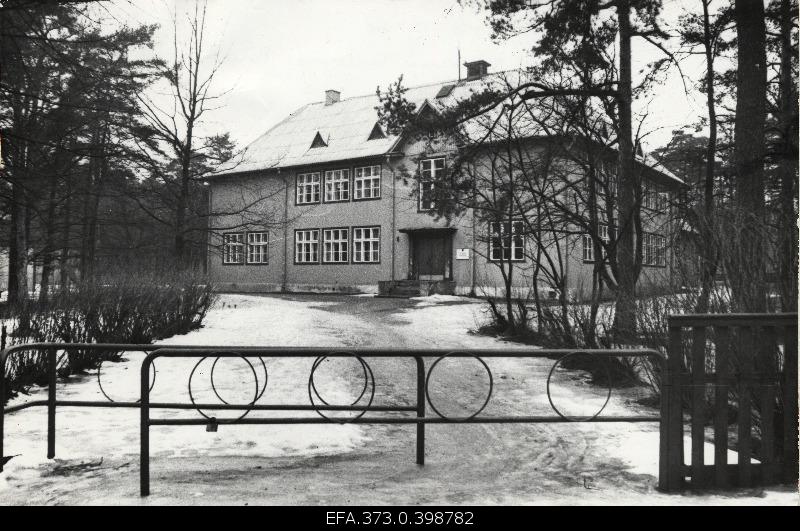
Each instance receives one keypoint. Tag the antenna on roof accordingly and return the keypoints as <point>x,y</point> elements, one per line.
<point>459,63</point>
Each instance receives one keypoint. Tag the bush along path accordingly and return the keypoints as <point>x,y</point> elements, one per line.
<point>114,308</point>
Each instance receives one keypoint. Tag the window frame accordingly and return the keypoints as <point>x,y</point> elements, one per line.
<point>324,182</point>
<point>490,254</point>
<point>294,254</point>
<point>297,185</point>
<point>431,180</point>
<point>264,245</point>
<point>586,237</point>
<point>353,244</point>
<point>242,246</point>
<point>323,240</point>
<point>380,182</point>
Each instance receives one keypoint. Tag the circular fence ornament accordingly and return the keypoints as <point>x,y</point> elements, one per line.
<point>257,391</point>
<point>428,381</point>
<point>135,377</point>
<point>569,418</point>
<point>369,383</point>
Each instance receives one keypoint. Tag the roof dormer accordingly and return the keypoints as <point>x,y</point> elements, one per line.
<point>318,142</point>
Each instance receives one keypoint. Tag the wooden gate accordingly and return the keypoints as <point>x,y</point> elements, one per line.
<point>735,377</point>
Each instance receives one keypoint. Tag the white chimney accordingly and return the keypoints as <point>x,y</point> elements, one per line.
<point>332,96</point>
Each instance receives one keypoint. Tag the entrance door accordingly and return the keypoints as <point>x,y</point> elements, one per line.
<point>431,256</point>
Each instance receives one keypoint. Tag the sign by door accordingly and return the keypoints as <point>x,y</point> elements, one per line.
<point>462,254</point>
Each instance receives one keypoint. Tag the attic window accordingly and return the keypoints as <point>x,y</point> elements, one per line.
<point>318,142</point>
<point>445,91</point>
<point>376,133</point>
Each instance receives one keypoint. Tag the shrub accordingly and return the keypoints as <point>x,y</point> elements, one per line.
<point>118,306</point>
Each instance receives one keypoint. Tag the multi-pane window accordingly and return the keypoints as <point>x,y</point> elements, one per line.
<point>335,242</point>
<point>430,170</point>
<point>507,241</point>
<point>257,243</point>
<point>366,244</point>
<point>306,246</point>
<point>233,248</point>
<point>654,250</point>
<point>307,188</point>
<point>588,242</point>
<point>337,185</point>
<point>367,182</point>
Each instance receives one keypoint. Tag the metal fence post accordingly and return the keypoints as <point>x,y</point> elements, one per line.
<point>51,403</point>
<point>2,405</point>
<point>144,430</point>
<point>420,410</point>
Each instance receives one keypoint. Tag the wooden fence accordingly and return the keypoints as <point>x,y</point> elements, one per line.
<point>735,377</point>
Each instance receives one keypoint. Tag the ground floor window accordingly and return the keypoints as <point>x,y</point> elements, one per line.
<point>507,241</point>
<point>306,246</point>
<point>335,243</point>
<point>588,242</point>
<point>654,250</point>
<point>366,244</point>
<point>257,245</point>
<point>233,248</point>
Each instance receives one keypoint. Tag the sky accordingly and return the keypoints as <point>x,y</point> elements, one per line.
<point>278,55</point>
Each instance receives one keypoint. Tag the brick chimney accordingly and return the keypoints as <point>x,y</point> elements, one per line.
<point>332,96</point>
<point>476,69</point>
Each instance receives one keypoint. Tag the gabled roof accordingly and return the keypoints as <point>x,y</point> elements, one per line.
<point>317,133</point>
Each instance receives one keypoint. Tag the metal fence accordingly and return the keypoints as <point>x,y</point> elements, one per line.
<point>364,413</point>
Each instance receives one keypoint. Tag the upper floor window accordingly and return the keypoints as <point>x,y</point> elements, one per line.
<point>335,246</point>
<point>307,188</point>
<point>257,244</point>
<point>367,183</point>
<point>654,250</point>
<point>507,241</point>
<point>430,170</point>
<point>337,185</point>
<point>366,245</point>
<point>233,248</point>
<point>306,246</point>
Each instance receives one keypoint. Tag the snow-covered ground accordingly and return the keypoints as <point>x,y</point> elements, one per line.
<point>97,450</point>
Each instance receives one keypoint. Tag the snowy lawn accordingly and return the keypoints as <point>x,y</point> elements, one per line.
<point>97,450</point>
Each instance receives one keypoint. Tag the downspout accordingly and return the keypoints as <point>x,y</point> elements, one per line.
<point>473,256</point>
<point>394,215</point>
<point>285,232</point>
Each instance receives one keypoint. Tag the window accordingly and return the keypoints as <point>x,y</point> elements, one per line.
<point>367,183</point>
<point>306,246</point>
<point>233,248</point>
<point>588,242</point>
<point>307,188</point>
<point>366,245</point>
<point>337,186</point>
<point>334,246</point>
<point>430,170</point>
<point>507,241</point>
<point>654,250</point>
<point>257,247</point>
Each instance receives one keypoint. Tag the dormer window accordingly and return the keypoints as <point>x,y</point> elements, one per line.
<point>318,142</point>
<point>376,132</point>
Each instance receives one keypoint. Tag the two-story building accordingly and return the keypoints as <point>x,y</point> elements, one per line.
<point>326,200</point>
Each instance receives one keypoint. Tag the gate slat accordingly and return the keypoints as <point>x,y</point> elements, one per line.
<point>790,405</point>
<point>675,423</point>
<point>747,342</point>
<point>698,404</point>
<point>722,341</point>
<point>766,365</point>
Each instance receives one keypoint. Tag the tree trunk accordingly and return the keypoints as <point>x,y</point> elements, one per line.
<point>625,307</point>
<point>748,268</point>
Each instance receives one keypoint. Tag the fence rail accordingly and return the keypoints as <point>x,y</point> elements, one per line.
<point>320,406</point>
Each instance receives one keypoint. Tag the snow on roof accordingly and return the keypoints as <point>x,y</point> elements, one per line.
<point>347,128</point>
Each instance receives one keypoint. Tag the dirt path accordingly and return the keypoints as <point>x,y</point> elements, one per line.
<point>465,463</point>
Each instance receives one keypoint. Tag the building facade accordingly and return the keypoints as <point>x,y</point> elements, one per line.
<point>328,201</point>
